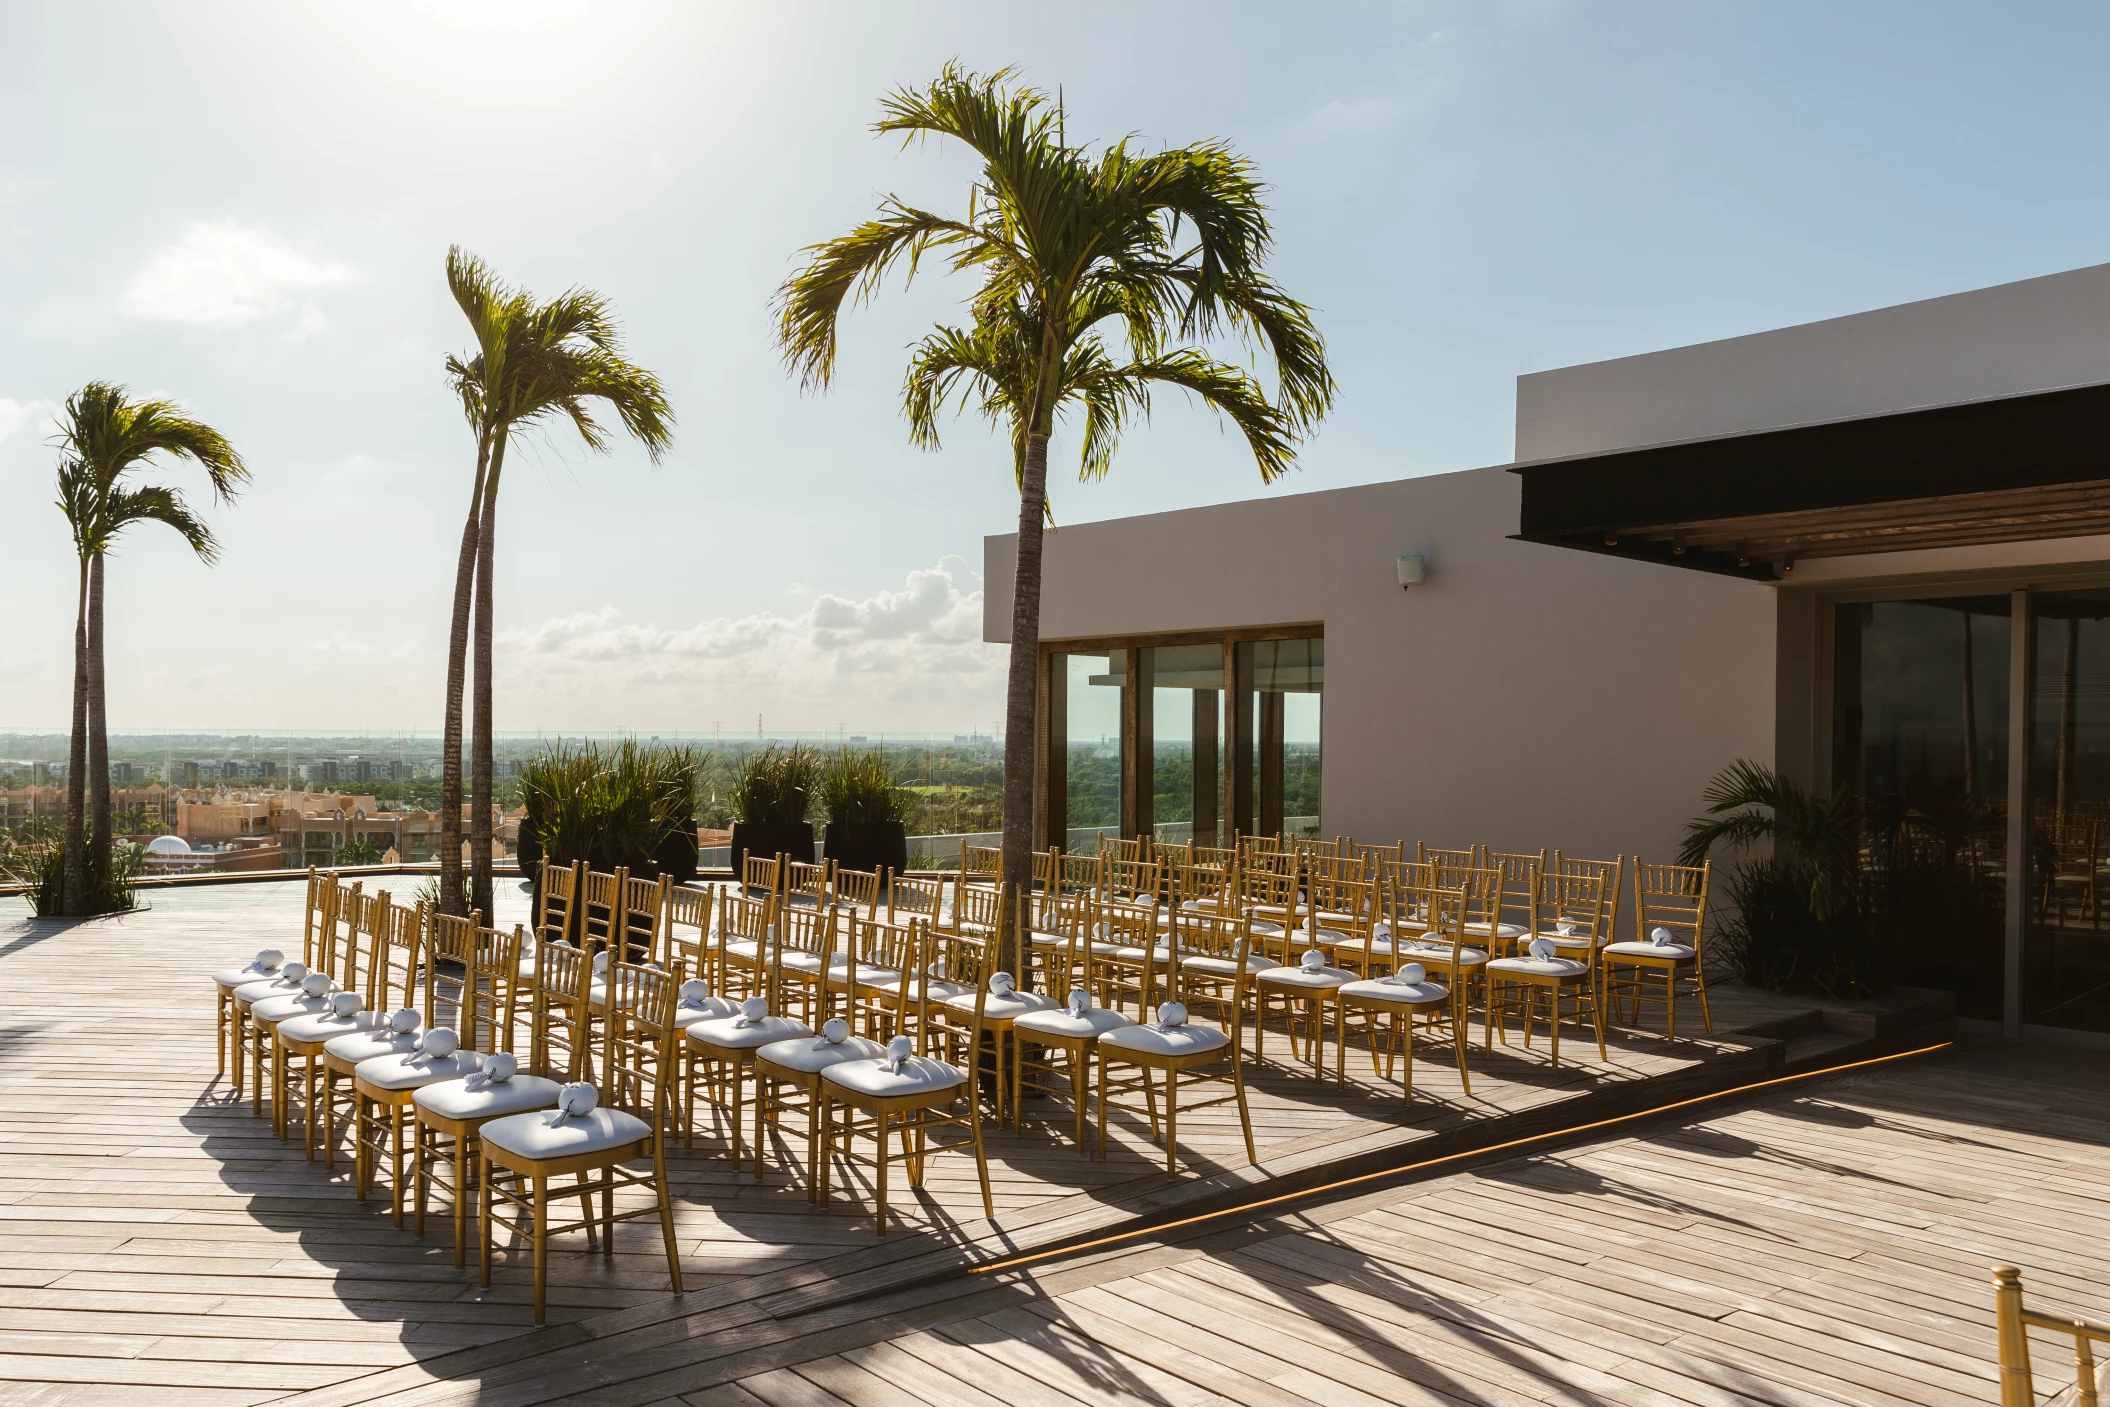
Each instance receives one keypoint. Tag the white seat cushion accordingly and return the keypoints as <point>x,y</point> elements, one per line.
<point>929,990</point>
<point>231,977</point>
<point>1668,952</point>
<point>277,1009</point>
<point>1000,1008</point>
<point>414,1072</point>
<point>1431,952</point>
<point>265,989</point>
<point>1403,993</point>
<point>712,1009</point>
<point>811,1055</point>
<point>800,961</point>
<point>540,1136</point>
<point>726,1033</point>
<point>325,1024</point>
<point>1153,1040</point>
<point>878,1079</point>
<point>453,1099</point>
<point>1048,940</point>
<point>742,947</point>
<point>1299,977</point>
<point>1502,930</point>
<point>869,974</point>
<point>1061,1021</point>
<point>1224,967</point>
<point>1128,952</point>
<point>367,1045</point>
<point>1539,967</point>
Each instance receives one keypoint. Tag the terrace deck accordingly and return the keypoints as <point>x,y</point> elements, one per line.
<point>159,1246</point>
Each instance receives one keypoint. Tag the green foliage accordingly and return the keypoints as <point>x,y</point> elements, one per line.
<point>35,855</point>
<point>777,785</point>
<point>429,894</point>
<point>360,850</point>
<point>612,806</point>
<point>1816,835</point>
<point>857,788</point>
<point>1773,939</point>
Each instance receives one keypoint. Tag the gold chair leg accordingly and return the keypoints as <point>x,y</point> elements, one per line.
<point>541,1248</point>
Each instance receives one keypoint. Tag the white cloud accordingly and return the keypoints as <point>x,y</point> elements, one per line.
<point>222,275</point>
<point>339,642</point>
<point>23,415</point>
<point>906,659</point>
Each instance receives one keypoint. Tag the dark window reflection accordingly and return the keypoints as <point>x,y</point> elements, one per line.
<point>2066,958</point>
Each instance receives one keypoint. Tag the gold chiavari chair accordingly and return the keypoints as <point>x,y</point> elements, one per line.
<point>623,1123</point>
<point>1309,983</point>
<point>230,1017</point>
<point>556,908</point>
<point>762,876</point>
<point>725,1045</point>
<point>394,993</point>
<point>912,898</point>
<point>1058,920</point>
<point>689,934</point>
<point>1271,895</point>
<point>874,955</point>
<point>1405,999</point>
<point>1131,927</point>
<point>1056,1045</point>
<point>797,1061</point>
<point>980,864</point>
<point>861,892</point>
<point>1568,933</point>
<point>645,920</point>
<point>359,1008</point>
<point>805,945</point>
<point>600,909</point>
<point>1205,887</point>
<point>1134,850</point>
<point>921,1082</point>
<point>1217,961</point>
<point>1513,922</point>
<point>447,1116</point>
<point>1377,856</point>
<point>1670,930</point>
<point>1176,1048</point>
<point>308,995</point>
<point>1468,858</point>
<point>384,1085</point>
<point>744,929</point>
<point>559,1032</point>
<point>1078,874</point>
<point>997,1008</point>
<point>1542,969</point>
<point>807,883</point>
<point>1047,870</point>
<point>976,908</point>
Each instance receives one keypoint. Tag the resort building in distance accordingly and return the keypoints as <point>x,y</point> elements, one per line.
<point>1871,552</point>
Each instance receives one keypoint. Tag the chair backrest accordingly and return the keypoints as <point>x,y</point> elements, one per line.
<point>491,988</point>
<point>556,906</point>
<point>1519,877</point>
<point>395,981</point>
<point>450,951</point>
<point>1134,850</point>
<point>336,936</point>
<point>741,916</point>
<point>809,931</point>
<point>322,884</point>
<point>909,897</point>
<point>1672,897</point>
<point>1193,883</point>
<point>1612,872</point>
<point>1340,909</point>
<point>559,1024</point>
<point>1075,873</point>
<point>981,864</point>
<point>1228,937</point>
<point>1442,913</point>
<point>637,1042</point>
<point>600,909</point>
<point>860,891</point>
<point>976,908</point>
<point>1463,859</point>
<point>689,933</point>
<point>1264,886</point>
<point>761,874</point>
<point>1379,855</point>
<point>1572,905</point>
<point>1075,919</point>
<point>1133,880</point>
<point>645,918</point>
<point>946,1032</point>
<point>1047,869</point>
<point>806,881</point>
<point>1308,846</point>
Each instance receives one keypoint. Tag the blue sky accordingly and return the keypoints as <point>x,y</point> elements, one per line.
<point>247,206</point>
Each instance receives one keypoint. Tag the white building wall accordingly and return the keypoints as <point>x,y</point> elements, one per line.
<point>1524,697</point>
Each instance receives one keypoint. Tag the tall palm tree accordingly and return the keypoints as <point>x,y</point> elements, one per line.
<point>534,362</point>
<point>107,437</point>
<point>1100,273</point>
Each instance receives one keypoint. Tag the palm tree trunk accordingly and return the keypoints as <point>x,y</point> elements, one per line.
<point>74,899</point>
<point>98,725</point>
<point>457,667</point>
<point>1022,696</point>
<point>480,745</point>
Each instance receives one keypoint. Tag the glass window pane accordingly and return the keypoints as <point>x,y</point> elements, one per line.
<point>1094,684</point>
<point>2065,954</point>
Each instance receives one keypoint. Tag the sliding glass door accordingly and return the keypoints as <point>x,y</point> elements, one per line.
<point>2066,953</point>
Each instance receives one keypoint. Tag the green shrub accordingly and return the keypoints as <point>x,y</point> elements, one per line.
<point>857,789</point>
<point>611,807</point>
<point>36,856</point>
<point>777,786</point>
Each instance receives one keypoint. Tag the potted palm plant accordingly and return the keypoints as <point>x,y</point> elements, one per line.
<point>772,792</point>
<point>630,805</point>
<point>867,814</point>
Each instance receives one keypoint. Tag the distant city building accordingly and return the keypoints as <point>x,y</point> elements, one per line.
<point>399,771</point>
<point>122,772</point>
<point>321,771</point>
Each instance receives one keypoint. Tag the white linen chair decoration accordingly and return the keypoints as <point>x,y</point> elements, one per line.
<point>1670,931</point>
<point>589,1137</point>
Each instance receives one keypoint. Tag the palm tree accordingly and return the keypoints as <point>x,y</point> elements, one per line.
<point>1092,268</point>
<point>107,436</point>
<point>533,362</point>
<point>1750,803</point>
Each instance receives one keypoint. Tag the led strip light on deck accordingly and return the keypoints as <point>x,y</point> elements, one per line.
<point>1247,1208</point>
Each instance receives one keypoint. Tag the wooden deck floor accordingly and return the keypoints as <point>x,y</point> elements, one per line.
<point>159,1246</point>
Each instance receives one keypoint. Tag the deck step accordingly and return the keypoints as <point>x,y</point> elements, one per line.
<point>1816,1051</point>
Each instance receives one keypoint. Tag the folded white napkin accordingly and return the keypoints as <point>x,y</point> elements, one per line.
<point>293,973</point>
<point>1172,1015</point>
<point>345,1005</point>
<point>1567,929</point>
<point>1080,1001</point>
<point>600,963</point>
<point>695,992</point>
<point>834,1031</point>
<point>1662,937</point>
<point>1544,949</point>
<point>436,1044</point>
<point>574,1101</point>
<point>1408,976</point>
<point>404,1020</point>
<point>1314,960</point>
<point>316,984</point>
<point>754,1011</point>
<point>899,1051</point>
<point>269,960</point>
<point>1002,985</point>
<point>497,1068</point>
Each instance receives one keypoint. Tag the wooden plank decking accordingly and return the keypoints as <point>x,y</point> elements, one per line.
<point>160,1246</point>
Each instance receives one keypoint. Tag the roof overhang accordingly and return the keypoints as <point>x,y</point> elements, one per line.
<point>2015,469</point>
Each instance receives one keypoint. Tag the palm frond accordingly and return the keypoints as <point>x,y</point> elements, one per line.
<point>154,503</point>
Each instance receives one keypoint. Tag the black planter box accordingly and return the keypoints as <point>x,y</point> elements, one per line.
<point>794,841</point>
<point>882,846</point>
